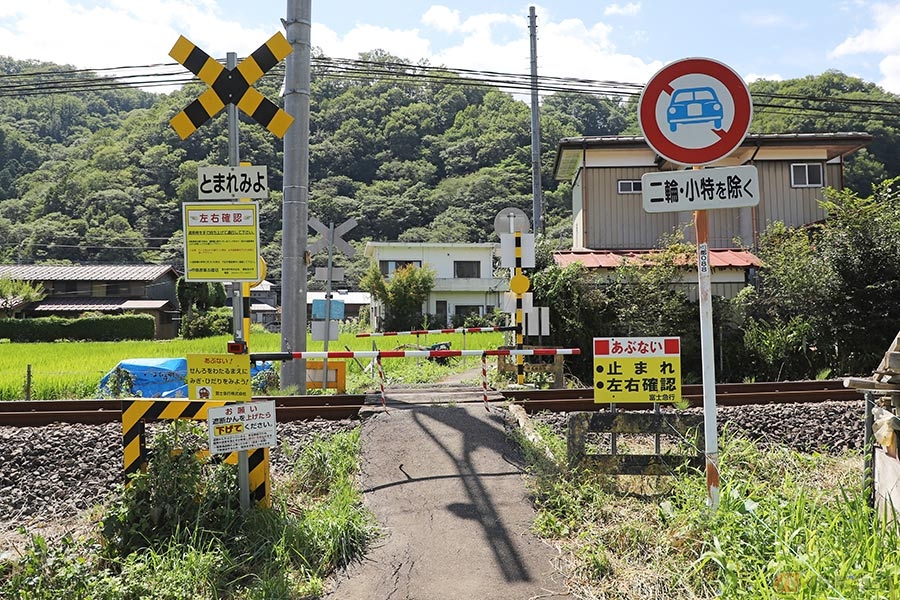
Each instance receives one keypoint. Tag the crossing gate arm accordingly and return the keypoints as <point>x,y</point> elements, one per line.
<point>265,356</point>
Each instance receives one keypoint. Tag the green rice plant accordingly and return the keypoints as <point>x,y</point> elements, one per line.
<point>62,370</point>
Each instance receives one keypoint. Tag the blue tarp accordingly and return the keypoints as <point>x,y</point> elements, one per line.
<point>159,377</point>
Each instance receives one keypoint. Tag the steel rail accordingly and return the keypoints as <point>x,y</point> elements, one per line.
<point>741,394</point>
<point>20,413</point>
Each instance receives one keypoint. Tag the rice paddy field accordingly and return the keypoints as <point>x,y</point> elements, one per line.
<point>71,370</point>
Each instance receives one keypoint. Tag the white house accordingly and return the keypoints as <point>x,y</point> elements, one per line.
<point>464,276</point>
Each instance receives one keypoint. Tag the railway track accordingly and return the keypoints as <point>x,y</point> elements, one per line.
<point>20,413</point>
<point>343,406</point>
<point>727,394</point>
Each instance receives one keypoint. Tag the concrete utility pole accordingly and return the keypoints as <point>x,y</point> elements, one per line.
<point>295,210</point>
<point>536,216</point>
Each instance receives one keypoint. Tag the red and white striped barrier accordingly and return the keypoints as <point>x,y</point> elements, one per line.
<point>380,354</point>
<point>438,331</point>
<point>377,354</point>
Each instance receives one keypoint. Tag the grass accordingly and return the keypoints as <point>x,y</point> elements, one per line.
<point>180,536</point>
<point>789,525</point>
<point>68,369</point>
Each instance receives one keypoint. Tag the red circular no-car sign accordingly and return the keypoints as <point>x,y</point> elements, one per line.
<point>695,111</point>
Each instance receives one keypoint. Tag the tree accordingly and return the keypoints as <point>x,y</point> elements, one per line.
<point>196,299</point>
<point>826,298</point>
<point>402,295</point>
<point>14,293</point>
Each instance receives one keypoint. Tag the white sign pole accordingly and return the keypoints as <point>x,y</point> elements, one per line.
<point>710,433</point>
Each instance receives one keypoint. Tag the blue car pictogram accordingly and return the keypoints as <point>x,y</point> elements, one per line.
<point>694,105</point>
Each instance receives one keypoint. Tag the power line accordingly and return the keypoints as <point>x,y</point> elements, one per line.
<point>67,81</point>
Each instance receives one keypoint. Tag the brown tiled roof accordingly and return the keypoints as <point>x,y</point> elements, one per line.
<point>85,272</point>
<point>610,259</point>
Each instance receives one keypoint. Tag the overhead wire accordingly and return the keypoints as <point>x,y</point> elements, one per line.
<point>171,75</point>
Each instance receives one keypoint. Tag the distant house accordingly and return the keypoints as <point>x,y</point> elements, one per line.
<point>609,223</point>
<point>354,302</point>
<point>72,290</point>
<point>263,302</point>
<point>464,282</point>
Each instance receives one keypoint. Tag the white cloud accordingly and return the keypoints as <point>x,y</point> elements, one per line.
<point>883,38</point>
<point>363,38</point>
<point>121,32</point>
<point>500,42</point>
<point>890,68</point>
<point>441,18</point>
<point>758,76</point>
<point>627,10</point>
<point>111,33</point>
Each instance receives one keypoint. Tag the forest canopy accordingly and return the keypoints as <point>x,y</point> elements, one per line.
<point>94,174</point>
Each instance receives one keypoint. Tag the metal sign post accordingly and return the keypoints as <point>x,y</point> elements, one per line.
<point>331,238</point>
<point>695,112</point>
<point>231,86</point>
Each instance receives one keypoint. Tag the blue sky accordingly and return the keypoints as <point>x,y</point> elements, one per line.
<point>610,41</point>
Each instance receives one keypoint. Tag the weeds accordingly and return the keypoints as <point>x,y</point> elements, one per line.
<point>789,525</point>
<point>177,532</point>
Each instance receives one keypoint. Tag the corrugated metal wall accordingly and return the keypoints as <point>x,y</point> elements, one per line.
<point>780,202</point>
<point>617,221</point>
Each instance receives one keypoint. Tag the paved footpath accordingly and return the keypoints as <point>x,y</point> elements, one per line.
<point>446,488</point>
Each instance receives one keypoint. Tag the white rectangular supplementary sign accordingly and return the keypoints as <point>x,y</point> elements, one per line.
<point>241,426</point>
<point>232,183</point>
<point>700,189</point>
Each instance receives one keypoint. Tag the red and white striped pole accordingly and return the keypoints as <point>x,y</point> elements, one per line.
<point>381,377</point>
<point>379,354</point>
<point>484,377</point>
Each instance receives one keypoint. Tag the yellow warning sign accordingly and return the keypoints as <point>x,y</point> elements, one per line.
<point>637,369</point>
<point>221,241</point>
<point>218,377</point>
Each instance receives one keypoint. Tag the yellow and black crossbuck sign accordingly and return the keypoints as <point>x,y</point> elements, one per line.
<point>231,86</point>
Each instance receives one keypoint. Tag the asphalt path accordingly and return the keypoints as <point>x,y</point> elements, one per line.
<point>446,487</point>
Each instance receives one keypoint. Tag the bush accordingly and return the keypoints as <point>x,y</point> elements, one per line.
<point>104,328</point>
<point>218,321</point>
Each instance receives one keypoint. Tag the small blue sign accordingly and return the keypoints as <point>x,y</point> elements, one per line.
<point>337,310</point>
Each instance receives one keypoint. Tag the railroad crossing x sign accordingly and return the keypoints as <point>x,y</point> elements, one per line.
<point>339,243</point>
<point>231,86</point>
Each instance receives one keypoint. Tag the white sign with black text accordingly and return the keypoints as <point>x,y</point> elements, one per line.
<point>241,426</point>
<point>232,183</point>
<point>700,189</point>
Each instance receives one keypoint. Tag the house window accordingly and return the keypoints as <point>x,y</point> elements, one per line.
<point>388,267</point>
<point>629,186</point>
<point>806,175</point>
<point>464,310</point>
<point>466,269</point>
<point>117,288</point>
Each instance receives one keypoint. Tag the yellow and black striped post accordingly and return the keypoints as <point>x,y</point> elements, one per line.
<point>134,444</point>
<point>518,285</point>
<point>520,320</point>
<point>231,86</point>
